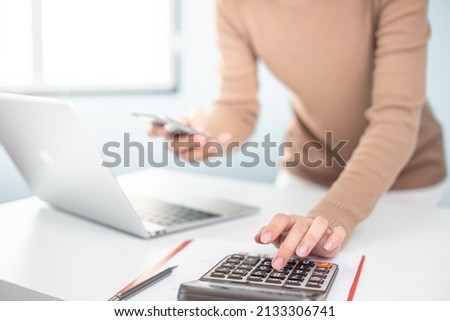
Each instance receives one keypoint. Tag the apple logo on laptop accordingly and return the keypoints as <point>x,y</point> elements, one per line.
<point>47,159</point>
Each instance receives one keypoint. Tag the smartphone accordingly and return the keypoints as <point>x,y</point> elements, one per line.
<point>170,125</point>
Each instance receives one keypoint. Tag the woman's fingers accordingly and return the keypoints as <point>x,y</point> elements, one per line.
<point>301,236</point>
<point>194,147</point>
<point>197,119</point>
<point>198,146</point>
<point>183,143</point>
<point>257,236</point>
<point>335,239</point>
<point>331,243</point>
<point>287,248</point>
<point>156,130</point>
<point>312,236</point>
<point>279,223</point>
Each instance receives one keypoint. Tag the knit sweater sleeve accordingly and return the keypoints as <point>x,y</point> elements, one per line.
<point>236,108</point>
<point>398,97</point>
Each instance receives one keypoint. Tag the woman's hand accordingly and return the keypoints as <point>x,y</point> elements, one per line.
<point>299,235</point>
<point>192,147</point>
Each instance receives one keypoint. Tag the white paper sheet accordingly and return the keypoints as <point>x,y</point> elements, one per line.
<point>202,254</point>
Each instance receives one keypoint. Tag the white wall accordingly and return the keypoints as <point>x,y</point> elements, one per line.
<point>439,70</point>
<point>108,117</point>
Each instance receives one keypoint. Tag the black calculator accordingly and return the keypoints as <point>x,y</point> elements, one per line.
<point>251,277</point>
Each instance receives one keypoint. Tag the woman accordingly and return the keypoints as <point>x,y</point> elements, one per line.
<point>356,69</point>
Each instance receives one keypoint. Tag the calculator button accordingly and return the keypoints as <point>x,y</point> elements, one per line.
<point>240,271</point>
<point>263,268</point>
<point>324,265</point>
<point>251,260</point>
<point>266,263</point>
<point>315,279</point>
<point>273,281</point>
<point>218,275</point>
<point>312,284</point>
<point>321,270</point>
<point>234,261</point>
<point>297,277</point>
<point>255,278</point>
<point>222,270</point>
<point>228,265</point>
<point>303,267</point>
<point>245,266</point>
<point>259,273</point>
<point>238,256</point>
<point>293,282</point>
<point>235,276</point>
<point>277,275</point>
<point>320,274</point>
<point>302,272</point>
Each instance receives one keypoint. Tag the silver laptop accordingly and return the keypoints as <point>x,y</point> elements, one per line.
<point>52,149</point>
<point>13,292</point>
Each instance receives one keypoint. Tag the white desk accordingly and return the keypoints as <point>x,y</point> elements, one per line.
<point>407,248</point>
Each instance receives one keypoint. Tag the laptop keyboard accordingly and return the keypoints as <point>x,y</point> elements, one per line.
<point>167,214</point>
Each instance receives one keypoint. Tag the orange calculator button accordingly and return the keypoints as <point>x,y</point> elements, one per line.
<point>324,265</point>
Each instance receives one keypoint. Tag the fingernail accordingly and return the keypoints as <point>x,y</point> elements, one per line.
<point>328,246</point>
<point>266,237</point>
<point>278,263</point>
<point>302,250</point>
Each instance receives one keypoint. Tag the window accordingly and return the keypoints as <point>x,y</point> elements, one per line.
<point>86,45</point>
